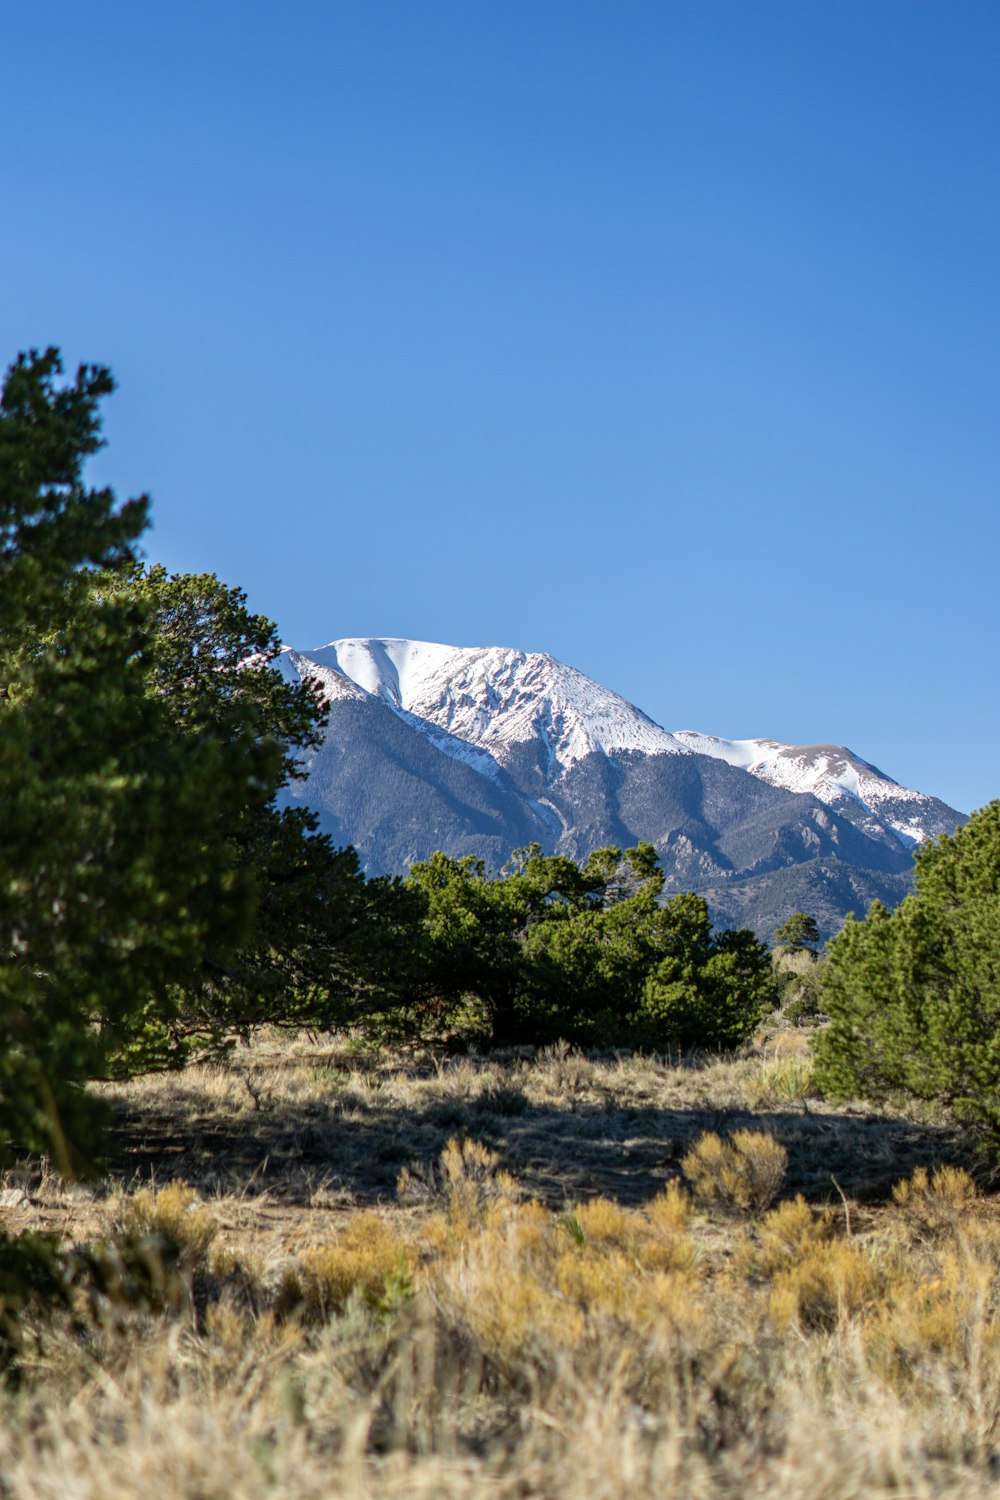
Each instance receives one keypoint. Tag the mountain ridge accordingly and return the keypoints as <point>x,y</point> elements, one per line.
<point>481,749</point>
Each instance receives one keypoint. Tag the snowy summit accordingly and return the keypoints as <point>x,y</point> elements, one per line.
<point>492,697</point>
<point>483,749</point>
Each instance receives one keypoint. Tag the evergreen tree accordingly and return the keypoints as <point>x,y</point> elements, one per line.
<point>797,932</point>
<point>551,950</point>
<point>322,949</point>
<point>116,870</point>
<point>914,997</point>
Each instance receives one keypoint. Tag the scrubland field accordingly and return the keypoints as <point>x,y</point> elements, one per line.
<point>548,1274</point>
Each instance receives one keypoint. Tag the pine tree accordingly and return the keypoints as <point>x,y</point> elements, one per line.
<point>590,955</point>
<point>797,932</point>
<point>914,997</point>
<point>320,948</point>
<point>116,870</point>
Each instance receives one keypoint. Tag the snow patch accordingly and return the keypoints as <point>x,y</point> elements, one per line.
<point>478,704</point>
<point>831,773</point>
<point>494,698</point>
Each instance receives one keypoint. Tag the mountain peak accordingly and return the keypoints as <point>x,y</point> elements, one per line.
<point>482,749</point>
<point>496,697</point>
<point>834,775</point>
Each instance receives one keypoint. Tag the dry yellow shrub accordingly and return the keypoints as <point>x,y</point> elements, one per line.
<point>465,1159</point>
<point>665,1245</point>
<point>604,1284</point>
<point>789,1233</point>
<point>499,1277</point>
<point>744,1173</point>
<point>515,1311</point>
<point>652,1239</point>
<point>829,1284</point>
<point>175,1211</point>
<point>950,1310</point>
<point>937,1202</point>
<point>437,1237</point>
<point>606,1225</point>
<point>471,1179</point>
<point>671,1301</point>
<point>612,1285</point>
<point>367,1258</point>
<point>670,1211</point>
<point>525,1277</point>
<point>531,1227</point>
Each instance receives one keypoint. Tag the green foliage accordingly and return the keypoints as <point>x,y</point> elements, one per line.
<point>552,950</point>
<point>94,1284</point>
<point>210,663</point>
<point>33,1276</point>
<point>805,1009</point>
<point>797,931</point>
<point>51,526</point>
<point>319,949</point>
<point>713,996</point>
<point>116,869</point>
<point>914,997</point>
<point>798,974</point>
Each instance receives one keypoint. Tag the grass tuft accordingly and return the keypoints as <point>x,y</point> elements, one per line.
<point>176,1212</point>
<point>743,1174</point>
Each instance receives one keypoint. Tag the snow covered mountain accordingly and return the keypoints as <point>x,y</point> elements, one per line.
<point>482,749</point>
<point>839,778</point>
<point>493,698</point>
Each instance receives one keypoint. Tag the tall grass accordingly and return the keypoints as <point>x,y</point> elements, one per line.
<point>715,1335</point>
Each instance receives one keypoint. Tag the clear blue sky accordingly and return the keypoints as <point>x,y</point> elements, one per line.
<point>664,337</point>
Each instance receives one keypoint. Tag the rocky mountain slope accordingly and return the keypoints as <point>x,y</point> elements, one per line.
<point>482,750</point>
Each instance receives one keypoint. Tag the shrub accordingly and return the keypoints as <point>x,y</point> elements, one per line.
<point>790,1233</point>
<point>949,1310</point>
<point>174,1212</point>
<point>744,1173</point>
<point>654,1240</point>
<point>804,1010</point>
<point>914,997</point>
<point>605,1225</point>
<point>670,1211</point>
<point>368,1259</point>
<point>714,994</point>
<point>788,1079</point>
<point>590,954</point>
<point>832,1283</point>
<point>938,1201</point>
<point>471,1180</point>
<point>498,1098</point>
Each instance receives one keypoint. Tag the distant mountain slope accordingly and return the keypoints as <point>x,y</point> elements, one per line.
<point>381,785</point>
<point>859,791</point>
<point>825,888</point>
<point>481,750</point>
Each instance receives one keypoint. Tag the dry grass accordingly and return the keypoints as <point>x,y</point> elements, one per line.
<point>536,1276</point>
<point>174,1211</point>
<point>742,1174</point>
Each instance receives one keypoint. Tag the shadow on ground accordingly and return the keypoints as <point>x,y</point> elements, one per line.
<point>351,1146</point>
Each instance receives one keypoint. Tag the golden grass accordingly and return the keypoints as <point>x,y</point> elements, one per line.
<point>743,1173</point>
<point>544,1276</point>
<point>174,1210</point>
